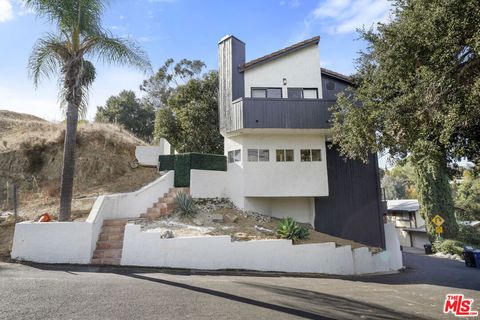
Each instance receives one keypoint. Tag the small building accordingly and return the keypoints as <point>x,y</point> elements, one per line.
<point>410,226</point>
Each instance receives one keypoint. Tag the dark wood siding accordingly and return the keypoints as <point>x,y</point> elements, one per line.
<point>286,113</point>
<point>353,208</point>
<point>339,86</point>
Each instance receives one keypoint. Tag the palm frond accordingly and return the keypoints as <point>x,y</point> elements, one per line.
<point>81,15</point>
<point>110,49</point>
<point>48,55</point>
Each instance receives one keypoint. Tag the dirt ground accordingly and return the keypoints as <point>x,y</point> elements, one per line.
<point>241,226</point>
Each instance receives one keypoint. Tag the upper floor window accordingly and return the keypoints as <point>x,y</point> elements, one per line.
<point>308,155</point>
<point>234,156</point>
<point>302,93</point>
<point>255,155</point>
<point>266,92</point>
<point>284,155</point>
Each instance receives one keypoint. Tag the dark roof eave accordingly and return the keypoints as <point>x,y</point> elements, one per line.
<point>279,53</point>
<point>336,75</point>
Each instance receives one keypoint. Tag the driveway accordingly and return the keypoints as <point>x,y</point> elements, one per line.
<point>82,292</point>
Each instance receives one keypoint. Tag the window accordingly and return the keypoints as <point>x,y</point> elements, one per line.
<point>295,93</point>
<point>234,156</point>
<point>255,155</point>
<point>238,155</point>
<point>283,155</point>
<point>330,85</point>
<point>307,155</point>
<point>302,93</point>
<point>266,92</point>
<point>310,94</point>
<point>259,93</point>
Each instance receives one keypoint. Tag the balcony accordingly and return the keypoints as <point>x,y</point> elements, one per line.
<point>256,113</point>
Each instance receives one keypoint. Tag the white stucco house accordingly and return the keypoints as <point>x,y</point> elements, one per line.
<point>275,118</point>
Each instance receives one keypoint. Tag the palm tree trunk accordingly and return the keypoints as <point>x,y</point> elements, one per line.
<point>68,170</point>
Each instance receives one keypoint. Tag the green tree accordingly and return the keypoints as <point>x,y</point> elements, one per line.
<point>417,92</point>
<point>79,36</point>
<point>159,86</point>
<point>394,187</point>
<point>189,121</point>
<point>467,197</point>
<point>125,109</point>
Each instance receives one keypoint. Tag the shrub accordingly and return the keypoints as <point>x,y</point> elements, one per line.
<point>448,246</point>
<point>185,204</point>
<point>469,235</point>
<point>288,228</point>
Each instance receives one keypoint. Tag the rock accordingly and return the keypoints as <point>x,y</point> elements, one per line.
<point>232,218</point>
<point>167,234</point>
<point>217,218</point>
<point>240,236</point>
<point>262,229</point>
<point>197,222</point>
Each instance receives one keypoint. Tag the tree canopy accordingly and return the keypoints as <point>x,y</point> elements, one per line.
<point>417,93</point>
<point>127,110</point>
<point>189,120</point>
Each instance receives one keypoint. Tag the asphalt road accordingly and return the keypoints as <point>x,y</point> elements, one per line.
<point>79,292</point>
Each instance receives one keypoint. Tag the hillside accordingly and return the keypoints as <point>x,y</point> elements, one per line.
<point>31,151</point>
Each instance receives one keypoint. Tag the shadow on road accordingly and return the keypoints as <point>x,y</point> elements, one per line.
<point>319,305</point>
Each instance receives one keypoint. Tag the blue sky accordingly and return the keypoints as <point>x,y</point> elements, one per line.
<point>184,29</point>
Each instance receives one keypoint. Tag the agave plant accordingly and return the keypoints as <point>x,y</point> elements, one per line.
<point>288,228</point>
<point>185,204</point>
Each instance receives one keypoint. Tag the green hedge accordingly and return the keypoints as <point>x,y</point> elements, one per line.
<point>166,162</point>
<point>183,163</point>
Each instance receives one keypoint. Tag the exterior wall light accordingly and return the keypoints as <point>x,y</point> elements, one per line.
<point>284,81</point>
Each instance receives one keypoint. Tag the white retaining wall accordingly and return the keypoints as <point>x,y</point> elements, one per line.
<point>74,242</point>
<point>53,242</point>
<point>208,184</point>
<point>219,252</point>
<point>148,155</point>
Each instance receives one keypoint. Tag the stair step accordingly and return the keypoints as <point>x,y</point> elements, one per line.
<point>114,222</point>
<point>176,190</point>
<point>108,253</point>
<point>113,229</point>
<point>109,244</point>
<point>107,261</point>
<point>110,236</point>
<point>161,205</point>
<point>167,200</point>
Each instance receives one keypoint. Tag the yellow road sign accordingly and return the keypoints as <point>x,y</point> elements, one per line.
<point>438,229</point>
<point>437,220</point>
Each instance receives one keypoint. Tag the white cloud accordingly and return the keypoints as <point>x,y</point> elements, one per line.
<point>345,16</point>
<point>6,11</point>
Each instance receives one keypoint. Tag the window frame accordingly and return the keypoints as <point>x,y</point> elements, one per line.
<point>266,92</point>
<point>310,155</point>
<point>257,153</point>
<point>302,92</point>
<point>231,156</point>
<point>284,153</point>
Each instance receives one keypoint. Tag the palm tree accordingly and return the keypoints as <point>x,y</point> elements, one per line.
<point>64,53</point>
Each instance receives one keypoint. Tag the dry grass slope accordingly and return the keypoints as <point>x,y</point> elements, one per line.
<point>31,152</point>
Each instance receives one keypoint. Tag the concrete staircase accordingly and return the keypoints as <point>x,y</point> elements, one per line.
<point>165,205</point>
<point>110,242</point>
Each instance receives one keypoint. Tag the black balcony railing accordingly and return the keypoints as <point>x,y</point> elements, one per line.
<point>249,113</point>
